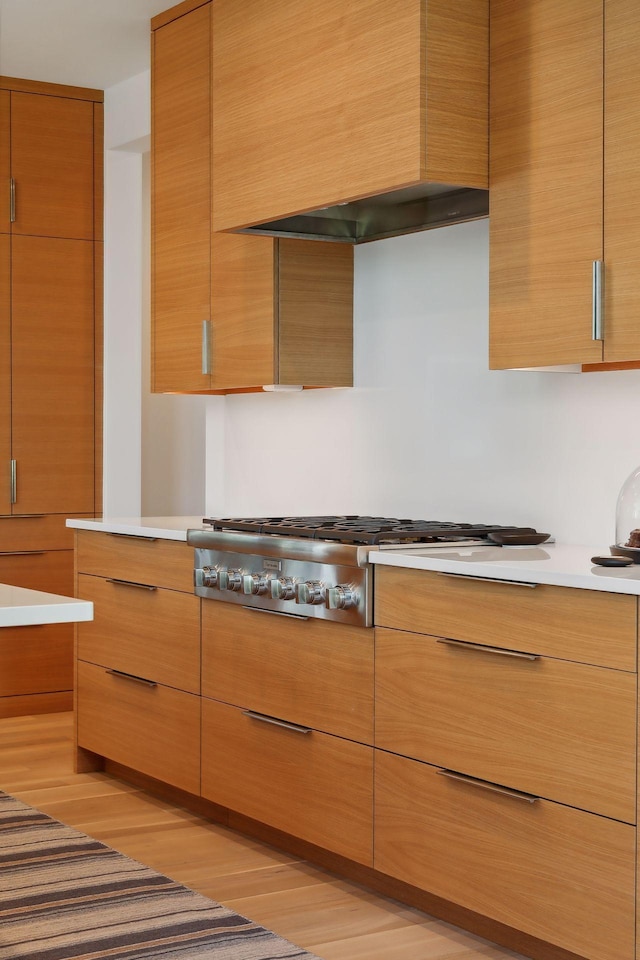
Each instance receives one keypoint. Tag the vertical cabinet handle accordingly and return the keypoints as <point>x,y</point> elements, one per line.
<point>597,324</point>
<point>12,200</point>
<point>13,481</point>
<point>206,346</point>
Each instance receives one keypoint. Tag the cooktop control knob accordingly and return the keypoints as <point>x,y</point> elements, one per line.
<point>234,580</point>
<point>282,588</point>
<point>254,583</point>
<point>207,577</point>
<point>311,591</point>
<point>341,597</point>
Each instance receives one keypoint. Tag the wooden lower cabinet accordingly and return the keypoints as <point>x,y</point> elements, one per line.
<point>140,724</point>
<point>309,784</point>
<point>556,873</point>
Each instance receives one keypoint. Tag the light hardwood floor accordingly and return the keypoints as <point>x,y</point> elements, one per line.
<point>333,918</point>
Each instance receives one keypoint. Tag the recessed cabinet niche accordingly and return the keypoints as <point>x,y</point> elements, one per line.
<point>50,276</point>
<point>565,136</point>
<point>229,312</point>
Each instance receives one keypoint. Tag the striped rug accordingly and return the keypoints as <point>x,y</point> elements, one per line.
<point>64,896</point>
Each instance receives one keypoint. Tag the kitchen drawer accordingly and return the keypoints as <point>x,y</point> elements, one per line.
<point>565,731</point>
<point>36,659</point>
<point>35,533</point>
<point>311,672</point>
<point>146,631</point>
<point>47,570</point>
<point>161,563</point>
<point>153,729</point>
<point>584,625</point>
<point>314,786</point>
<point>563,875</point>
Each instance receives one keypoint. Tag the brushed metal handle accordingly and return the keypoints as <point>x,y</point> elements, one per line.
<point>206,347</point>
<point>276,613</point>
<point>130,676</point>
<point>487,785</point>
<point>132,536</point>
<point>12,200</point>
<point>507,583</point>
<point>22,553</point>
<point>13,481</point>
<point>463,645</point>
<point>263,718</point>
<point>130,583</point>
<point>597,318</point>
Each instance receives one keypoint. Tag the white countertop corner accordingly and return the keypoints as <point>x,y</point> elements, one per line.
<point>162,528</point>
<point>20,607</point>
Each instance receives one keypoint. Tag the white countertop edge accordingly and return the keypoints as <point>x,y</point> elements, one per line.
<point>566,566</point>
<point>20,607</point>
<point>161,528</point>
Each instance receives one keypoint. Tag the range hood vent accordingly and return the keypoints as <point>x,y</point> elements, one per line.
<point>387,215</point>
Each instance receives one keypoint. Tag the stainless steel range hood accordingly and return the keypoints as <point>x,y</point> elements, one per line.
<point>409,210</point>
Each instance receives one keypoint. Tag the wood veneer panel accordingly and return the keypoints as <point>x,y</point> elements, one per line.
<point>53,375</point>
<point>181,201</point>
<point>546,180</point>
<point>148,633</point>
<point>315,313</point>
<point>621,202</point>
<point>5,372</point>
<point>51,89</point>
<point>98,359</point>
<point>587,626</point>
<point>35,532</point>
<point>312,672</point>
<point>179,10</point>
<point>35,704</point>
<point>318,787</point>
<point>5,161</point>
<point>556,873</point>
<point>153,729</point>
<point>560,730</point>
<point>163,563</point>
<point>52,163</point>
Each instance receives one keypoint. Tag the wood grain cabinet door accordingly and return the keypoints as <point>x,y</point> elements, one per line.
<point>181,201</point>
<point>5,372</point>
<point>53,375</point>
<point>5,161</point>
<point>52,165</point>
<point>546,180</point>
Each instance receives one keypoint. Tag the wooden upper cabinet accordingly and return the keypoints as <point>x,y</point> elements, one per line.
<point>52,415</point>
<point>229,312</point>
<point>5,162</point>
<point>52,166</point>
<point>181,172</point>
<point>558,70</point>
<point>319,102</point>
<point>5,371</point>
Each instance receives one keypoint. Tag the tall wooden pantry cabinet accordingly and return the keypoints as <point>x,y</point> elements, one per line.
<point>50,353</point>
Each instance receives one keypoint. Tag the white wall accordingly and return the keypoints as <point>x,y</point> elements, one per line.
<point>429,432</point>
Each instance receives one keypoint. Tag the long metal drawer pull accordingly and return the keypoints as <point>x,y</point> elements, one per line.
<point>22,553</point>
<point>487,785</point>
<point>14,481</point>
<point>263,718</point>
<point>130,583</point>
<point>500,651</point>
<point>276,613</point>
<point>131,676</point>
<point>206,347</point>
<point>12,200</point>
<point>597,331</point>
<point>132,536</point>
<point>468,576</point>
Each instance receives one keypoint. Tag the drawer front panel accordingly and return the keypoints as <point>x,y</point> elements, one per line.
<point>35,533</point>
<point>36,659</point>
<point>565,731</point>
<point>559,874</point>
<point>315,673</point>
<point>161,563</point>
<point>314,786</point>
<point>51,571</point>
<point>582,625</point>
<point>155,730</point>
<point>151,633</point>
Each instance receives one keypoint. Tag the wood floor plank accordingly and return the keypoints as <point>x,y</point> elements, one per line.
<point>335,919</point>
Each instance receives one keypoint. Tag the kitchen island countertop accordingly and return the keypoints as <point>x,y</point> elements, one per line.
<point>560,564</point>
<point>20,607</point>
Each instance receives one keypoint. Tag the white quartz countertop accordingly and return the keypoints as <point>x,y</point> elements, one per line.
<point>20,607</point>
<point>561,564</point>
<point>163,528</point>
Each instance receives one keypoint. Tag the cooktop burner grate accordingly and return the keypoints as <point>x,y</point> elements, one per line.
<point>361,530</point>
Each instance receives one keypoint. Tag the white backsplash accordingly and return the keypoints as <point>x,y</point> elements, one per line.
<point>429,431</point>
